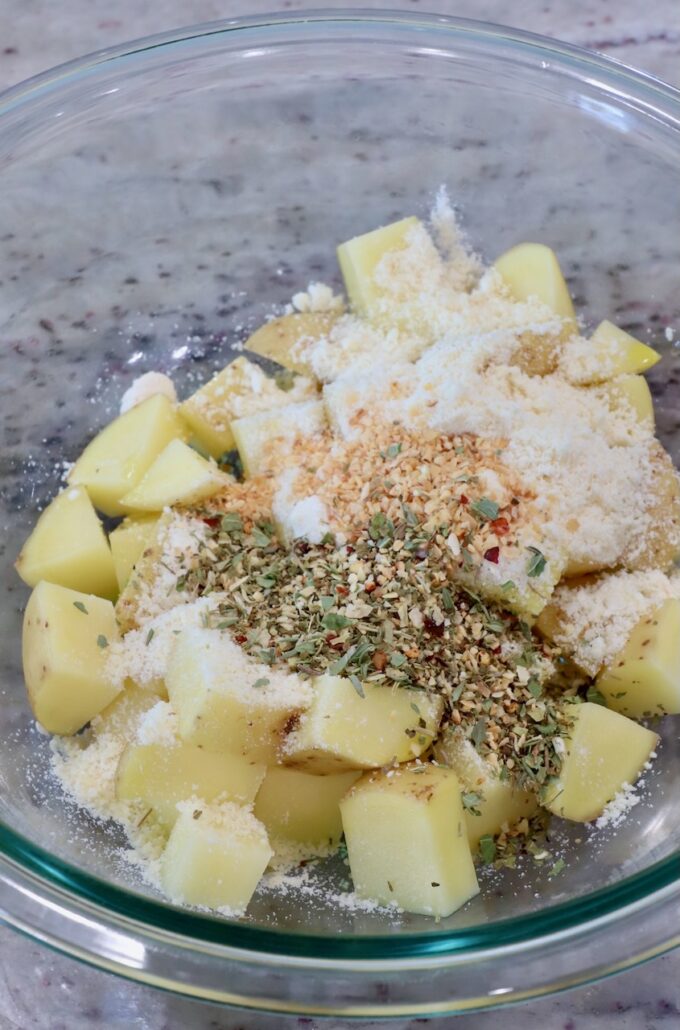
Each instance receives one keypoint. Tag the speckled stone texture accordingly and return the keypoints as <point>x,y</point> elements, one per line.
<point>47,992</point>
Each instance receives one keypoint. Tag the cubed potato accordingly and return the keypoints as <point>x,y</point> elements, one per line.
<point>115,461</point>
<point>297,806</point>
<point>532,270</point>
<point>537,353</point>
<point>152,586</point>
<point>644,678</point>
<point>660,546</point>
<point>69,547</point>
<point>239,390</point>
<point>66,635</point>
<point>406,840</point>
<point>225,701</point>
<point>128,542</point>
<point>163,776</point>
<point>261,437</point>
<point>121,717</point>
<point>633,391</point>
<point>492,802</point>
<point>345,729</point>
<point>526,596</point>
<point>359,257</point>
<point>604,751</point>
<point>215,856</point>
<point>280,339</point>
<point>179,475</point>
<point>619,353</point>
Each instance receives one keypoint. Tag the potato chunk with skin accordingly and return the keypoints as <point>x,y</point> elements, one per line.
<point>163,776</point>
<point>239,390</point>
<point>215,856</point>
<point>644,678</point>
<point>297,806</point>
<point>498,801</point>
<point>68,546</point>
<point>343,729</point>
<point>258,437</point>
<point>225,701</point>
<point>532,270</point>
<point>406,840</point>
<point>65,639</point>
<point>128,542</point>
<point>179,475</point>
<point>278,340</point>
<point>359,257</point>
<point>115,461</point>
<point>604,751</point>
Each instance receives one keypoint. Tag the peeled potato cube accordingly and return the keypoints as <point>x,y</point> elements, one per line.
<point>343,729</point>
<point>360,256</point>
<point>227,702</point>
<point>163,776</point>
<point>620,352</point>
<point>115,461</point>
<point>406,840</point>
<point>644,678</point>
<point>215,856</point>
<point>128,541</point>
<point>178,476</point>
<point>604,752</point>
<point>239,390</point>
<point>494,582</point>
<point>121,717</point>
<point>532,270</point>
<point>660,545</point>
<point>260,437</point>
<point>68,546</point>
<point>297,806</point>
<point>632,390</point>
<point>492,802</point>
<point>66,635</point>
<point>278,340</point>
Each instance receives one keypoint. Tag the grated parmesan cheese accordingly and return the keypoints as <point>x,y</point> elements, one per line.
<point>145,386</point>
<point>596,618</point>
<point>158,726</point>
<point>618,808</point>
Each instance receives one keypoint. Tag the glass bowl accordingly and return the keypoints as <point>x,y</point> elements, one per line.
<point>155,201</point>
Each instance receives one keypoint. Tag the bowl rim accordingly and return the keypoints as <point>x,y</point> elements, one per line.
<point>651,97</point>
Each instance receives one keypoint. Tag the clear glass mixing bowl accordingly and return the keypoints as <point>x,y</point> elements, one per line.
<point>155,201</point>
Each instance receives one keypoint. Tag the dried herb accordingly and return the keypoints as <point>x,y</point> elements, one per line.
<point>102,641</point>
<point>485,509</point>
<point>81,607</point>
<point>536,563</point>
<point>487,849</point>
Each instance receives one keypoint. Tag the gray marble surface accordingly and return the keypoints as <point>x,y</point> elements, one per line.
<point>48,992</point>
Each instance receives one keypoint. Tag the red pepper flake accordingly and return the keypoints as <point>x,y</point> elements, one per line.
<point>370,587</point>
<point>435,629</point>
<point>464,499</point>
<point>500,526</point>
<point>212,520</point>
<point>379,660</point>
<point>240,639</point>
<point>343,591</point>
<point>492,555</point>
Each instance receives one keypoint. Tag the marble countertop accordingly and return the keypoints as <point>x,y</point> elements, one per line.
<point>44,991</point>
